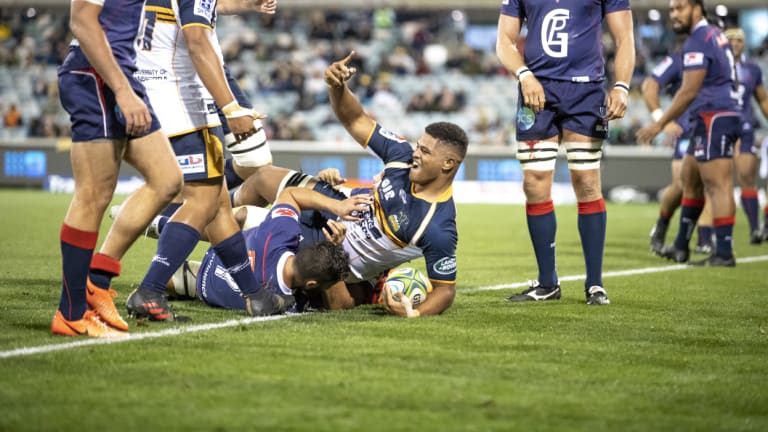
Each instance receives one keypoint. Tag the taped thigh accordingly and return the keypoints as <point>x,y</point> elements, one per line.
<point>584,155</point>
<point>253,151</point>
<point>537,155</point>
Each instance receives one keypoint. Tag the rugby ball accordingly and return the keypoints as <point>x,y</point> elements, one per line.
<point>409,281</point>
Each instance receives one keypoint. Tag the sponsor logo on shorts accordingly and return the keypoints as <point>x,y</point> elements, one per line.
<point>284,211</point>
<point>525,118</point>
<point>445,265</point>
<point>191,164</point>
<point>222,274</point>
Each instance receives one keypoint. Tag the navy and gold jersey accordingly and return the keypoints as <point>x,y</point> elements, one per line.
<point>402,225</point>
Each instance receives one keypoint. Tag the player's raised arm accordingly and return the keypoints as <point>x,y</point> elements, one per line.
<point>621,29</point>
<point>345,104</point>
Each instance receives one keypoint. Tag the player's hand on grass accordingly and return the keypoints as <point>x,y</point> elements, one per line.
<point>339,72</point>
<point>335,232</point>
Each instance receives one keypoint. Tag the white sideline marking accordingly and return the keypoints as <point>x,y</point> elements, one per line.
<point>250,320</point>
<point>613,274</point>
<point>138,336</point>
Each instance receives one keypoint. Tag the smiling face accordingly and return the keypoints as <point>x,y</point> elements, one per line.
<point>429,159</point>
<point>683,15</point>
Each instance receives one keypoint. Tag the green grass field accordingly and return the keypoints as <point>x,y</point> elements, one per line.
<point>678,349</point>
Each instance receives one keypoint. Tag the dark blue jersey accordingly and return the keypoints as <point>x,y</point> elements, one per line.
<point>120,20</point>
<point>708,48</point>
<point>750,77</point>
<point>564,39</point>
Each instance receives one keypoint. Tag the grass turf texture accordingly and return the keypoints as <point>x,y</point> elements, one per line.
<point>677,350</point>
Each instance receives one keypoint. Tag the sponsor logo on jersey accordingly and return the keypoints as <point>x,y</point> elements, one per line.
<point>693,59</point>
<point>580,79</point>
<point>284,211</point>
<point>445,265</point>
<point>222,274</point>
<point>204,8</point>
<point>554,40</point>
<point>190,164</point>
<point>391,135</point>
<point>663,66</point>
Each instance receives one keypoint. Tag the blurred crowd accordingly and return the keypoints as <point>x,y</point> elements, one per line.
<point>413,67</point>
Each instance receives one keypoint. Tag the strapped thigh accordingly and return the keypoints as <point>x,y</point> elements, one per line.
<point>537,155</point>
<point>584,155</point>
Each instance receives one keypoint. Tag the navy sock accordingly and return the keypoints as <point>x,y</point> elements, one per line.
<point>170,209</point>
<point>76,251</point>
<point>690,210</point>
<point>103,269</point>
<point>705,235</point>
<point>724,236</point>
<point>750,205</point>
<point>175,244</point>
<point>542,227</point>
<point>592,221</point>
<point>234,256</point>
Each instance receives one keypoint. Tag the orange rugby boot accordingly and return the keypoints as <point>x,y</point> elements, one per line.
<point>89,325</point>
<point>100,300</point>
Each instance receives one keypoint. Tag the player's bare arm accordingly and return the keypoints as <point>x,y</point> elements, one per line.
<point>229,7</point>
<point>211,72</point>
<point>762,99</point>
<point>620,27</point>
<point>506,50</point>
<point>303,198</point>
<point>650,92</point>
<point>85,26</point>
<point>692,82</point>
<point>345,104</point>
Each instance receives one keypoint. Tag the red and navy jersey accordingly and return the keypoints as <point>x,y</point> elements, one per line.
<point>669,75</point>
<point>271,244</point>
<point>564,39</point>
<point>750,77</point>
<point>120,20</point>
<point>708,48</point>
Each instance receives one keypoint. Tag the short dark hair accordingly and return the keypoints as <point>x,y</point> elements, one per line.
<point>451,134</point>
<point>324,262</point>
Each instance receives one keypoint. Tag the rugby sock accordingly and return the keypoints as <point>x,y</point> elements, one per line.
<point>170,209</point>
<point>724,236</point>
<point>690,209</point>
<point>705,235</point>
<point>76,250</point>
<point>233,254</point>
<point>542,226</point>
<point>664,217</point>
<point>592,221</point>
<point>750,206</point>
<point>175,244</point>
<point>103,269</point>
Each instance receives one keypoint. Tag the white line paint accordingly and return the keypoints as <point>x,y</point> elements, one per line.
<point>247,321</point>
<point>618,273</point>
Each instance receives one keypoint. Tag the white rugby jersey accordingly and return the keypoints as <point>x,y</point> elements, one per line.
<point>178,96</point>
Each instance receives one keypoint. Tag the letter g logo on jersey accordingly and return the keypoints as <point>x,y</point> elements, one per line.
<point>553,39</point>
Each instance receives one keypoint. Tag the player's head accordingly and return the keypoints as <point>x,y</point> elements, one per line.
<point>736,37</point>
<point>321,265</point>
<point>439,152</point>
<point>684,14</point>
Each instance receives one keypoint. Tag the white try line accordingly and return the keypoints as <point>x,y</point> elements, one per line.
<point>617,273</point>
<point>174,331</point>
